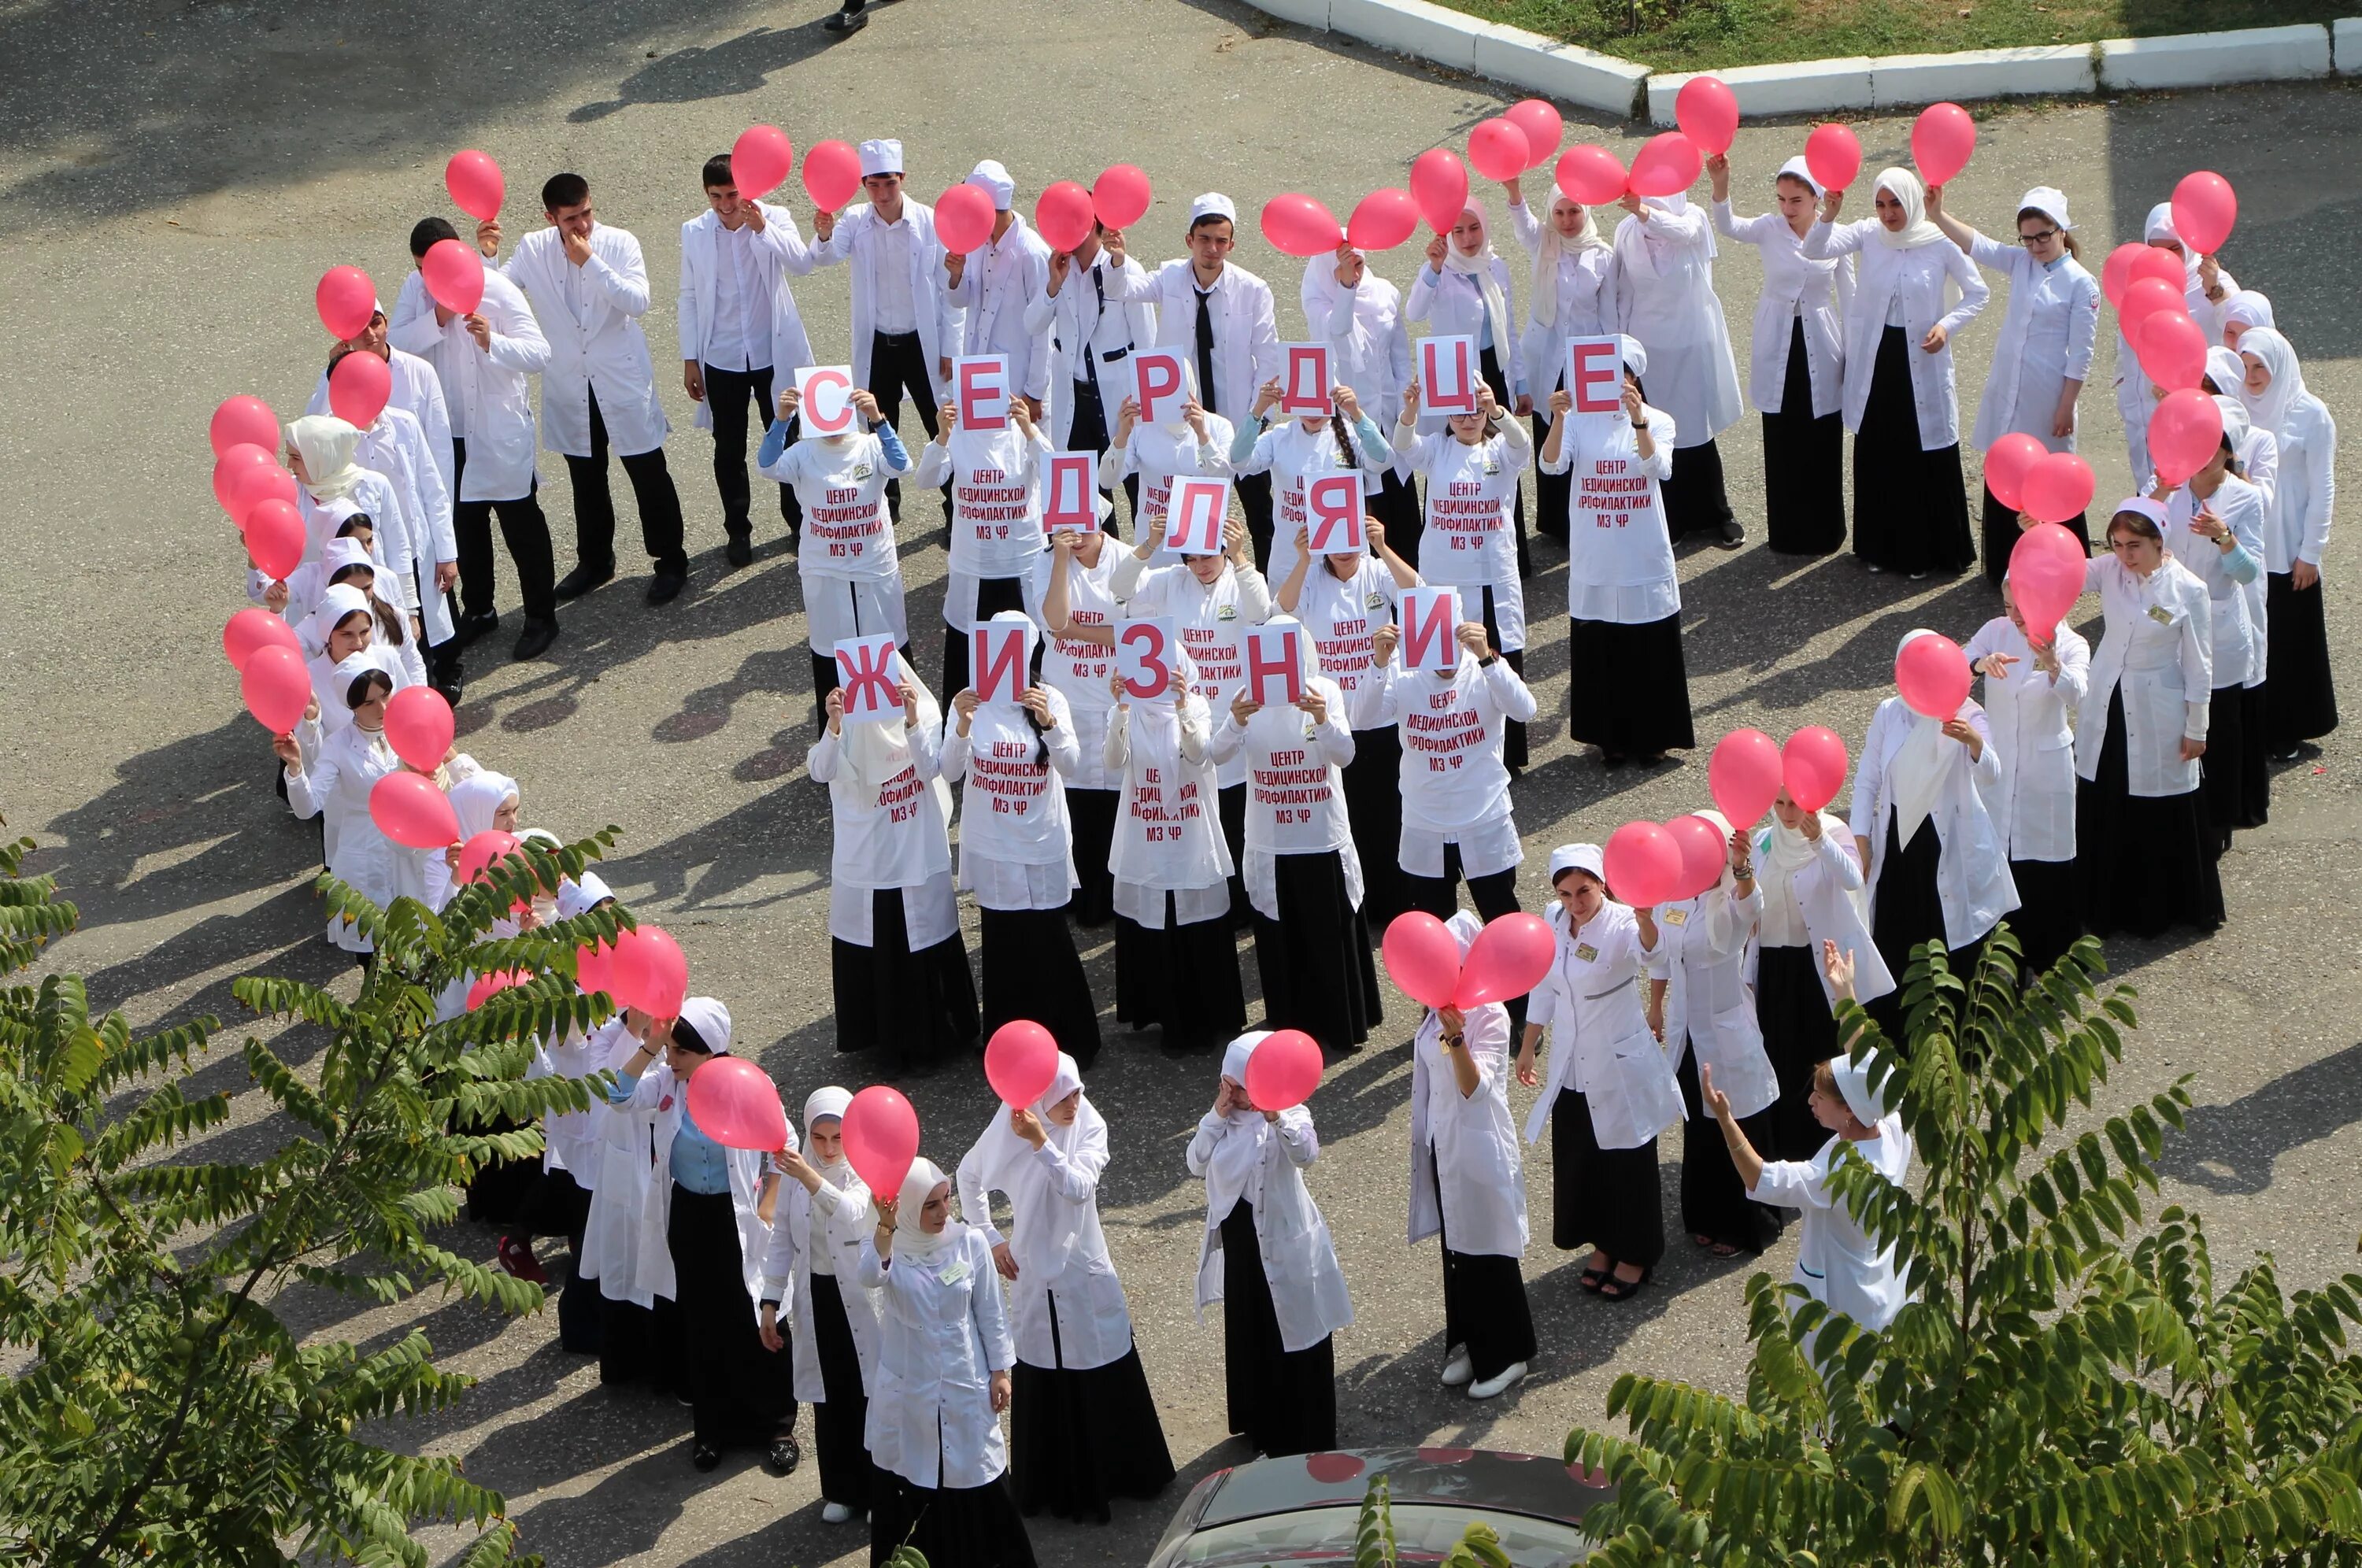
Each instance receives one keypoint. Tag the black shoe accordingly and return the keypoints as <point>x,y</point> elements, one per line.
<point>449,685</point>
<point>476,624</point>
<point>705,1457</point>
<point>847,22</point>
<point>538,635</point>
<point>666,587</point>
<point>741,550</point>
<point>1611,760</point>
<point>1730,536</point>
<point>583,579</point>
<point>786,1454</point>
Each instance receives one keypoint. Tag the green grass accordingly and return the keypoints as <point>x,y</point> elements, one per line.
<point>1698,34</point>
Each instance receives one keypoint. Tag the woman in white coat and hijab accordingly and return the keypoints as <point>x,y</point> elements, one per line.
<point>944,1356</point>
<point>1910,500</point>
<point>2303,701</point>
<point>1572,293</point>
<point>1083,1425</point>
<point>1075,589</point>
<point>2206,288</point>
<point>320,451</point>
<point>1464,292</point>
<point>1360,315</point>
<point>1267,1256</point>
<point>1665,251</point>
<point>623,1253</point>
<point>996,522</point>
<point>2215,525</point>
<point>1795,372</point>
<point>338,782</point>
<point>1468,1187</point>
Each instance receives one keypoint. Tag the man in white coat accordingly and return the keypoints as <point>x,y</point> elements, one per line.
<point>741,337</point>
<point>589,286</point>
<point>1091,340</point>
<point>994,284</point>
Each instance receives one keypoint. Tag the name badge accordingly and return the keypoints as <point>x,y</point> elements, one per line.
<point>1677,917</point>
<point>1585,951</point>
<point>1492,466</point>
<point>2160,614</point>
<point>862,470</point>
<point>955,1273</point>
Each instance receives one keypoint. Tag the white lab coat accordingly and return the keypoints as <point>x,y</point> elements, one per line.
<point>628,1261</point>
<point>1588,304</point>
<point>1452,305</point>
<point>1600,1044</point>
<point>1795,287</point>
<point>1837,1262</point>
<point>1973,880</point>
<point>2158,650</point>
<point>338,781</point>
<point>1066,1301</point>
<point>945,1332</point>
<point>1307,1290</point>
<point>997,288</point>
<point>1454,783</point>
<point>1468,1140</point>
<point>939,320</point>
<point>1073,321</point>
<point>2236,638</point>
<point>417,387</point>
<point>2046,338</point>
<point>790,346</point>
<point>1369,348</point>
<point>845,1220</point>
<point>1246,340</point>
<point>1665,292</point>
<point>595,346</point>
<point>660,1099</point>
<point>2305,498</point>
<point>2032,718</point>
<point>1708,1003</point>
<point>570,1141</point>
<point>484,389</point>
<point>1825,890</point>
<point>1919,273</point>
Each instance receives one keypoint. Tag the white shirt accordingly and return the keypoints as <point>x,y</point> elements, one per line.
<point>1665,291</point>
<point>1585,293</point>
<point>946,1332</point>
<point>1973,880</point>
<point>1016,844</point>
<point>1915,276</point>
<point>893,267</point>
<point>1292,455</point>
<point>1452,305</point>
<point>1467,1173</point>
<point>841,484</point>
<point>1342,615</point>
<point>486,390</point>
<point>1837,1262</point>
<point>1619,552</point>
<point>1078,670</point>
<point>1067,1300</point>
<point>1369,349</point>
<point>2306,497</point>
<point>1702,954</point>
<point>1796,288</point>
<point>1091,340</point>
<point>1468,541</point>
<point>2032,719</point>
<point>820,1233</point>
<point>2157,652</point>
<point>1168,837</point>
<point>2045,341</point>
<point>1210,620</point>
<point>1159,455</point>
<point>2241,507</point>
<point>736,338</point>
<point>1299,1261</point>
<point>894,243</point>
<point>1239,306</point>
<point>1455,786</point>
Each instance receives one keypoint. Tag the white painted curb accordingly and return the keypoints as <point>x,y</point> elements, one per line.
<point>1799,89</point>
<point>2208,60</point>
<point>1564,71</point>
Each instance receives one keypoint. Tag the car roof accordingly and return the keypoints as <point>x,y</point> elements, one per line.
<point>1456,1477</point>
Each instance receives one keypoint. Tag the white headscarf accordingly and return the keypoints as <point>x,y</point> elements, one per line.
<point>1916,231</point>
<point>1480,267</point>
<point>1003,1159</point>
<point>825,1105</point>
<point>1714,905</point>
<point>477,799</point>
<point>581,895</point>
<point>2159,225</point>
<point>2271,407</point>
<point>875,753</point>
<point>1853,1087</point>
<point>710,1021</point>
<point>2227,371</point>
<point>2249,308</point>
<point>1542,301</point>
<point>325,443</point>
<point>919,1246</point>
<point>1236,1156</point>
<point>1799,168</point>
<point>1917,770</point>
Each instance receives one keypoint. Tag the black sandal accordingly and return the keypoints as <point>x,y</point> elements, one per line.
<point>1615,1289</point>
<point>786,1454</point>
<point>1591,1279</point>
<point>705,1457</point>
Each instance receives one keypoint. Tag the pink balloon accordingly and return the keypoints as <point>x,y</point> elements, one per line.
<point>594,968</point>
<point>1543,127</point>
<point>2172,350</point>
<point>2116,274</point>
<point>649,971</point>
<point>1643,864</point>
<point>1507,959</point>
<point>1062,216</point>
<point>1942,140</point>
<point>253,628</point>
<point>1932,674</point>
<point>408,809</point>
<point>1439,183</point>
<point>1498,149</point>
<point>475,183</point>
<point>832,174</point>
<point>276,688</point>
<point>1813,766</point>
<point>454,274</point>
<point>760,161</point>
<point>1707,112</point>
<point>1744,776</point>
<point>1297,225</point>
<point>881,1138</point>
<point>251,484</point>
<point>2058,487</point>
<point>244,455</point>
<point>1422,958</point>
<point>2007,463</point>
<point>1591,174</point>
<point>274,538</point>
<point>1120,195</point>
<point>964,218</point>
<point>419,726</point>
<point>735,1103</point>
<point>1382,220</point>
<point>347,300</point>
<point>1284,1070</point>
<point>2045,576</point>
<point>2143,298</point>
<point>1666,165</point>
<point>2184,433</point>
<point>2156,262</point>
<point>2204,209</point>
<point>1833,153</point>
<point>488,985</point>
<point>243,421</point>
<point>481,852</point>
<point>358,387</point>
<point>1020,1061</point>
<point>1704,853</point>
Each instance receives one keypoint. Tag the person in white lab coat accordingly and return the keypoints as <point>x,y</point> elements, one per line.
<point>1360,315</point>
<point>2205,290</point>
<point>993,287</point>
<point>1083,1425</point>
<point>1664,293</point>
<point>1091,342</point>
<point>2303,703</point>
<point>338,782</point>
<point>2215,525</point>
<point>589,286</point>
<point>416,543</point>
<point>1468,1187</point>
<point>2245,309</point>
<point>331,485</point>
<point>1074,593</point>
<point>2032,693</point>
<point>1796,362</point>
<point>944,1355</point>
<point>623,1255</point>
<point>1146,459</point>
<point>1341,437</point>
<point>1464,291</point>
<point>995,479</point>
<point>1572,293</point>
<point>1910,499</point>
<point>1267,1257</point>
<point>1609,1090</point>
<point>846,557</point>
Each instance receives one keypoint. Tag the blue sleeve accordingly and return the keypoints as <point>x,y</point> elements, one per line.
<point>1242,440</point>
<point>897,457</point>
<point>626,1084</point>
<point>1373,439</point>
<point>2238,565</point>
<point>775,441</point>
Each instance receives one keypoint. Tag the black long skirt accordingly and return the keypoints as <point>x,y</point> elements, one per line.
<point>1231,807</point>
<point>1396,507</point>
<point>1093,813</point>
<point>1182,979</point>
<point>840,1422</point>
<point>1514,752</point>
<point>1907,909</point>
<point>1033,971</point>
<point>951,1527</point>
<point>1803,465</point>
<point>2141,860</point>
<point>2222,769</point>
<point>993,594</point>
<point>498,1192</point>
<point>1373,806</point>
<point>920,1005</point>
<point>2304,698</point>
<point>1714,1200</point>
<point>1494,378</point>
<point>1078,1438</point>
<point>2049,915</point>
<point>1799,1033</point>
<point>1485,1305</point>
<point>741,1395</point>
<point>1553,492</point>
<point>1629,692</point>
<point>1318,974</point>
<point>1608,1198</point>
<point>637,1345</point>
<point>560,1205</point>
<point>2255,755</point>
<point>1696,500</point>
<point>1910,506</point>
<point>2002,532</point>
<point>1283,1401</point>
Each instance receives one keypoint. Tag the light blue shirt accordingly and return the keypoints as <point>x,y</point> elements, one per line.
<point>699,1164</point>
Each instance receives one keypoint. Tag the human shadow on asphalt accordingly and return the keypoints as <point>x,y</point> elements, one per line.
<point>2230,1149</point>
<point>727,70</point>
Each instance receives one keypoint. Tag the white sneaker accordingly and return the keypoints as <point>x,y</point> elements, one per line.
<point>1456,1368</point>
<point>1512,1373</point>
<point>834,1513</point>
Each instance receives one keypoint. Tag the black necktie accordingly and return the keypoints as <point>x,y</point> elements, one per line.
<point>1206,354</point>
<point>1091,337</point>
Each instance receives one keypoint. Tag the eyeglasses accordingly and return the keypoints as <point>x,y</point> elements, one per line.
<point>2046,235</point>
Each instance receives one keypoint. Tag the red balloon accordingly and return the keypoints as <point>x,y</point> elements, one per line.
<point>482,852</point>
<point>649,971</point>
<point>2144,297</point>
<point>2007,463</point>
<point>274,538</point>
<point>347,300</point>
<point>1284,1070</point>
<point>832,174</point>
<point>2058,487</point>
<point>1382,220</point>
<point>1498,149</point>
<point>1591,174</point>
<point>1932,674</point>
<point>760,161</point>
<point>1643,865</point>
<point>1297,225</point>
<point>735,1103</point>
<point>594,968</point>
<point>1744,776</point>
<point>488,985</point>
<point>881,1138</point>
<point>1833,154</point>
<point>1543,127</point>
<point>1813,766</point>
<point>2046,577</point>
<point>2184,433</point>
<point>1942,140</point>
<point>475,183</point>
<point>1707,112</point>
<point>1666,165</point>
<point>1120,195</point>
<point>2157,262</point>
<point>2172,350</point>
<point>1063,215</point>
<point>1507,959</point>
<point>276,688</point>
<point>408,809</point>
<point>2116,274</point>
<point>255,628</point>
<point>454,274</point>
<point>1704,853</point>
<point>359,388</point>
<point>231,463</point>
<point>251,484</point>
<point>1020,1061</point>
<point>1439,183</point>
<point>418,725</point>
<point>964,219</point>
<point>2204,209</point>
<point>1422,958</point>
<point>243,421</point>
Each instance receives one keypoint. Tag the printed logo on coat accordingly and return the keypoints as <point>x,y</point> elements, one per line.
<point>1677,917</point>
<point>862,470</point>
<point>2160,614</point>
<point>1374,601</point>
<point>1226,612</point>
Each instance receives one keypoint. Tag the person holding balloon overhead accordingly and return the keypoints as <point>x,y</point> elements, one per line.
<point>1340,438</point>
<point>1360,315</point>
<point>1090,345</point>
<point>338,783</point>
<point>1464,292</point>
<point>1572,293</point>
<point>2214,526</point>
<point>993,286</point>
<point>2304,705</point>
<point>2202,286</point>
<point>623,1256</point>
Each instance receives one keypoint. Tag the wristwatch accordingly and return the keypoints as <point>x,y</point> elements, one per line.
<point>1453,1042</point>
<point>1487,661</point>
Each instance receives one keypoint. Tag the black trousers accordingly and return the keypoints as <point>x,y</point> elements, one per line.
<point>595,503</point>
<point>1494,897</point>
<point>727,393</point>
<point>1088,433</point>
<point>524,528</point>
<point>1253,491</point>
<point>897,362</point>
